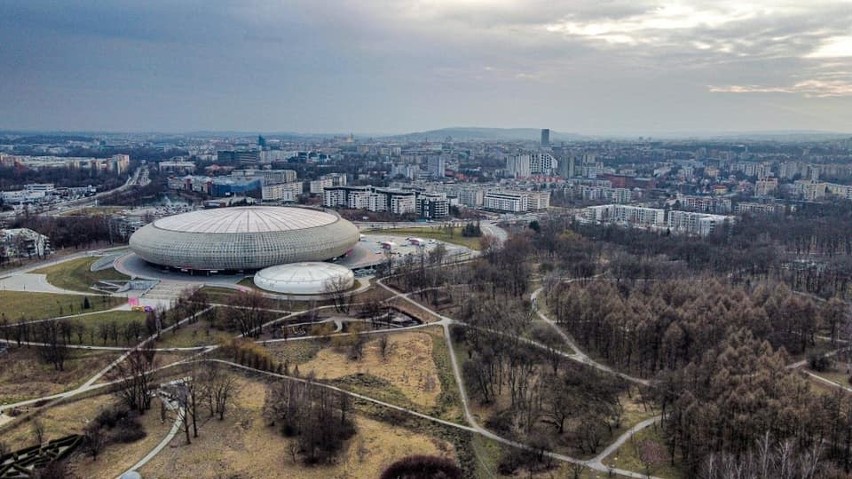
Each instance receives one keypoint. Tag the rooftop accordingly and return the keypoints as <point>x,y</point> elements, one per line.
<point>246,219</point>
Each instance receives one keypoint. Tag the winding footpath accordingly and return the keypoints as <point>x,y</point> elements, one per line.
<point>445,322</point>
<point>594,463</point>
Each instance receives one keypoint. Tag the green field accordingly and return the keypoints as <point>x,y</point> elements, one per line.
<point>92,323</point>
<point>433,232</point>
<point>218,294</point>
<point>76,274</point>
<point>15,305</point>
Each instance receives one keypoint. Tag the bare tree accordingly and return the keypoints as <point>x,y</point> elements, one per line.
<point>93,440</point>
<point>218,388</point>
<point>246,312</point>
<point>38,431</point>
<point>54,347</point>
<point>384,342</point>
<point>652,454</point>
<point>135,377</point>
<point>336,289</point>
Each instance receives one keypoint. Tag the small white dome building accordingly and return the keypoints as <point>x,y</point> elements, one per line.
<point>304,278</point>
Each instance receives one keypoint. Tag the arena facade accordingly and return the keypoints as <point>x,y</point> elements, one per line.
<point>245,238</point>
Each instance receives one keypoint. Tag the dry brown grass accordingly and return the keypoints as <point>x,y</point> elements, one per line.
<point>296,352</point>
<point>409,365</point>
<point>59,421</point>
<point>242,445</point>
<point>24,376</point>
<point>117,458</point>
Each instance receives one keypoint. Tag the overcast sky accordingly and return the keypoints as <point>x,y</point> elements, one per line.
<point>587,66</point>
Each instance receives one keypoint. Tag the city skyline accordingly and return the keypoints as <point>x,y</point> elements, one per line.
<point>401,67</point>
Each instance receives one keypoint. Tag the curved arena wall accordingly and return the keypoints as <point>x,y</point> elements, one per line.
<point>242,251</point>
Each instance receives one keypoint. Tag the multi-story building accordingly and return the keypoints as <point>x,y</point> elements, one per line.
<point>432,206</point>
<point>282,191</point>
<point>514,202</point>
<point>316,187</point>
<point>842,191</point>
<point>759,208</point>
<point>523,165</point>
<point>472,197</point>
<point>689,222</point>
<point>709,204</point>
<point>810,189</point>
<point>538,200</point>
<point>338,196</point>
<point>23,243</point>
<point>437,166</point>
<point>243,157</point>
<point>519,166</point>
<point>766,186</point>
<point>176,166</point>
<point>624,214</point>
<point>369,198</point>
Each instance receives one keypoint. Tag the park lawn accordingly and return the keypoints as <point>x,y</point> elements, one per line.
<point>23,375</point>
<point>627,456</point>
<point>76,274</point>
<point>92,323</point>
<point>244,446</point>
<point>199,333</point>
<point>58,421</point>
<point>116,458</point>
<point>296,352</point>
<point>15,305</point>
<point>218,294</point>
<point>408,366</point>
<point>433,232</point>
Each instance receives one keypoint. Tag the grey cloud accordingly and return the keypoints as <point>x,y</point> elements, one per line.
<point>392,65</point>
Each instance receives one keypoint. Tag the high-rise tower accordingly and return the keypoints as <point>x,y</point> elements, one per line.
<point>545,137</point>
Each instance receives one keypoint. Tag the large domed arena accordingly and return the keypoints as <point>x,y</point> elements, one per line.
<point>243,238</point>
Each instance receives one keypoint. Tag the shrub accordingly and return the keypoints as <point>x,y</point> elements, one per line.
<point>128,430</point>
<point>820,363</point>
<point>423,467</point>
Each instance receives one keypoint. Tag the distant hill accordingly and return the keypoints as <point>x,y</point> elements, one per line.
<point>474,133</point>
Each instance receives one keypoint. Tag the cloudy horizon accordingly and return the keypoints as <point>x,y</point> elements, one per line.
<point>393,66</point>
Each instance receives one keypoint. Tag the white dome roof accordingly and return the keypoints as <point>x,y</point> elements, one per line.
<point>246,219</point>
<point>304,278</point>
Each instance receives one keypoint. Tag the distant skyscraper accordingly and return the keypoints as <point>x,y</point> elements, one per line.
<point>261,142</point>
<point>545,137</point>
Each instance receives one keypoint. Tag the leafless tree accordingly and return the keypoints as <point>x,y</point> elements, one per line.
<point>135,377</point>
<point>336,288</point>
<point>54,347</point>
<point>38,431</point>
<point>384,342</point>
<point>218,389</point>
<point>652,454</point>
<point>246,313</point>
<point>93,440</point>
